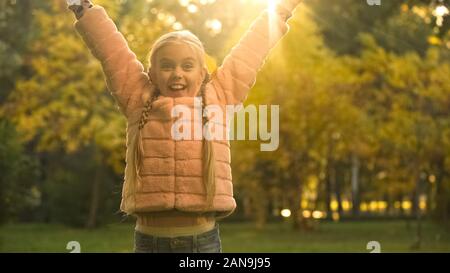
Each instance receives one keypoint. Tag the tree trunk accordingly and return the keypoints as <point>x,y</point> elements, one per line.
<point>297,215</point>
<point>247,207</point>
<point>329,179</point>
<point>388,209</point>
<point>400,199</point>
<point>337,182</point>
<point>441,210</point>
<point>355,185</point>
<point>442,200</point>
<point>417,212</point>
<point>296,195</point>
<point>415,199</point>
<point>95,199</point>
<point>328,195</point>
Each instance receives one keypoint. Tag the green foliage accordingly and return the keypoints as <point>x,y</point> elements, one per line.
<point>388,109</point>
<point>351,80</point>
<point>396,25</point>
<point>68,189</point>
<point>19,173</point>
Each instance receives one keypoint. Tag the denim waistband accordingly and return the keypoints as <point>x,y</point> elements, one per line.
<point>180,243</point>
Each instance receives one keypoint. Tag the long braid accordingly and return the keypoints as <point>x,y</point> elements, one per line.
<point>147,108</point>
<point>143,120</point>
<point>135,155</point>
<point>208,168</point>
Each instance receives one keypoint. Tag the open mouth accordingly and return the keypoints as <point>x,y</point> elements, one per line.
<point>177,87</point>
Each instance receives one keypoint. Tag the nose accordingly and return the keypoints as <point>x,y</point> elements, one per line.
<point>177,73</point>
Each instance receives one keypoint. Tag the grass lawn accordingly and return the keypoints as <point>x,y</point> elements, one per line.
<point>394,236</point>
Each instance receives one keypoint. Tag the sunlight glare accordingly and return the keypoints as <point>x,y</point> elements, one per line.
<point>286,213</point>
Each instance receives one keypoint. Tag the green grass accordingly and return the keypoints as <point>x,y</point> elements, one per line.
<point>394,236</point>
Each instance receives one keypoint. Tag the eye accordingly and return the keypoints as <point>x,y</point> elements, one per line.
<point>188,66</point>
<point>166,66</point>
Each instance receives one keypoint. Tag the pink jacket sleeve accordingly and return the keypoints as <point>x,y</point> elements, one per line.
<point>125,75</point>
<point>234,78</point>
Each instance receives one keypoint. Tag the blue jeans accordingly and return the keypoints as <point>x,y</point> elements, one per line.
<point>207,242</point>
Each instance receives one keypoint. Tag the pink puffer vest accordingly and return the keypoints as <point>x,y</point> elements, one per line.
<point>172,169</point>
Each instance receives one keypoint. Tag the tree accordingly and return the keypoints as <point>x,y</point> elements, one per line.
<point>14,18</point>
<point>63,105</point>
<point>19,172</point>
<point>397,26</point>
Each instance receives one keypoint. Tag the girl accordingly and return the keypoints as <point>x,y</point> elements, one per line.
<point>177,189</point>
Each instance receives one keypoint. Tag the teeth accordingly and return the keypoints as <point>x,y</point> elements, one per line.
<point>177,86</point>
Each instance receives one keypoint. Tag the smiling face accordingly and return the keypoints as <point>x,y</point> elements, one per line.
<point>177,71</point>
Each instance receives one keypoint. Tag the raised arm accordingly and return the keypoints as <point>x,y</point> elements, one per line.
<point>125,75</point>
<point>234,78</point>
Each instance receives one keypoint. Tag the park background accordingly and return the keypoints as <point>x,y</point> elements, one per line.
<point>364,154</point>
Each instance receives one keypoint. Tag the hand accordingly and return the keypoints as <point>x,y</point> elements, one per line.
<point>73,2</point>
<point>286,7</point>
<point>290,4</point>
<point>79,10</point>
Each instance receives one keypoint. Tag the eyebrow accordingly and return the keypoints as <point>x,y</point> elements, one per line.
<point>169,60</point>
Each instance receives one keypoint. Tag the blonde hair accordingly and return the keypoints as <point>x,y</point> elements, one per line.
<point>136,149</point>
